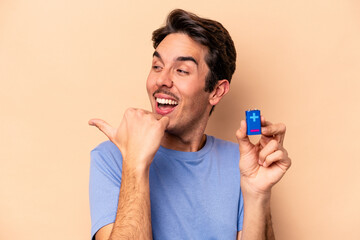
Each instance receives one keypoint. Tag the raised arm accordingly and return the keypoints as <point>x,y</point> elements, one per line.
<point>138,137</point>
<point>261,167</point>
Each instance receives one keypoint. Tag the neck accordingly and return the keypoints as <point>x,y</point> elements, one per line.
<point>185,144</point>
<point>187,139</point>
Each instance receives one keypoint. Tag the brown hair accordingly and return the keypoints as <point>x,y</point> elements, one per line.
<point>221,54</point>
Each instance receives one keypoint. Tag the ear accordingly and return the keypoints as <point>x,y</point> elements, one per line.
<point>222,87</point>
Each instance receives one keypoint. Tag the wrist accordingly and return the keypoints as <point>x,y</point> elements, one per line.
<point>255,194</point>
<point>136,169</point>
<point>138,160</point>
<point>259,202</point>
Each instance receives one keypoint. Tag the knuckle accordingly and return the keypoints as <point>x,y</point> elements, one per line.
<point>284,151</point>
<point>281,155</point>
<point>270,128</point>
<point>139,112</point>
<point>268,160</point>
<point>275,143</point>
<point>129,111</point>
<point>289,162</point>
<point>283,127</point>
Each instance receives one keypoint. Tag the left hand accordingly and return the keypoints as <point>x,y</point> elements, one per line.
<point>262,165</point>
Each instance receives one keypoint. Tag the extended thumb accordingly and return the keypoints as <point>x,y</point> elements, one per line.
<point>103,126</point>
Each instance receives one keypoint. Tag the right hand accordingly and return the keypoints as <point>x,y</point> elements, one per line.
<point>263,164</point>
<point>138,137</point>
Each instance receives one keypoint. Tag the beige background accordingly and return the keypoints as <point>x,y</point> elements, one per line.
<point>64,62</point>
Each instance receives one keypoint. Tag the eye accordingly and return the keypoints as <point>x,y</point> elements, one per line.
<point>182,72</point>
<point>156,68</point>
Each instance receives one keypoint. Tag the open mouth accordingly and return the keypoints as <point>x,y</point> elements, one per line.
<point>165,105</point>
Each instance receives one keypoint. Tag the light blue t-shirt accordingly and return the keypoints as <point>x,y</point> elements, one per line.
<point>194,195</point>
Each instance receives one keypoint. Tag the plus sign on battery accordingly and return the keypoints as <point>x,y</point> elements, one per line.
<point>254,117</point>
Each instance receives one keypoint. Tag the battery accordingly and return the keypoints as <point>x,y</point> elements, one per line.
<point>253,122</point>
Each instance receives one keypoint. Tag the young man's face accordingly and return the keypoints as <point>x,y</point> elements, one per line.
<point>176,82</point>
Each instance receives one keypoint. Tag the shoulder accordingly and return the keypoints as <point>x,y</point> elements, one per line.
<point>225,148</point>
<point>106,146</point>
<point>226,155</point>
<point>106,154</point>
<point>224,144</point>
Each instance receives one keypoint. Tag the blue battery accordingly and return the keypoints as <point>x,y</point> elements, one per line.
<point>253,122</point>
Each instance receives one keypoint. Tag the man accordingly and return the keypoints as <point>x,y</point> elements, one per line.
<point>161,177</point>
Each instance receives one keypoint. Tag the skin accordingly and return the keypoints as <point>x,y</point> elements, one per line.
<point>186,81</point>
<point>261,165</point>
<point>178,72</point>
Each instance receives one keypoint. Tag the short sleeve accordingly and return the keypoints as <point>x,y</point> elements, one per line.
<point>104,185</point>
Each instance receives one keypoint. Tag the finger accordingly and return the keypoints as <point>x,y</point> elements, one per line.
<point>103,126</point>
<point>269,148</point>
<point>244,142</point>
<point>157,116</point>
<point>164,121</point>
<point>264,123</point>
<point>273,157</point>
<point>274,129</point>
<point>265,140</point>
<point>282,159</point>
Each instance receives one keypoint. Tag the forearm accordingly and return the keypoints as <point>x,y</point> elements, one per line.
<point>133,219</point>
<point>257,217</point>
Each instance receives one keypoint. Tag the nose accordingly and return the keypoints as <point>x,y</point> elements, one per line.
<point>164,79</point>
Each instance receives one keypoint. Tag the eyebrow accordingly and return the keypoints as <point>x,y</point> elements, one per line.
<point>181,58</point>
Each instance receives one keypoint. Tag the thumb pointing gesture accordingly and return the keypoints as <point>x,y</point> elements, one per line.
<point>103,126</point>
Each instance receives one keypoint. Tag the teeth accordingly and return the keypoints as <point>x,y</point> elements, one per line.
<point>166,101</point>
